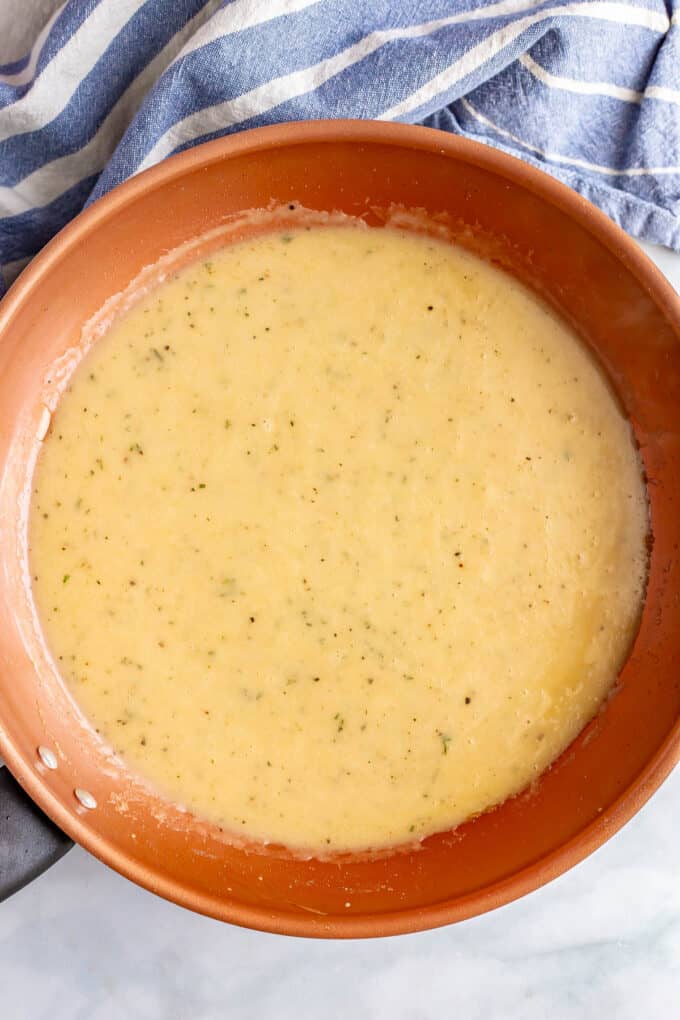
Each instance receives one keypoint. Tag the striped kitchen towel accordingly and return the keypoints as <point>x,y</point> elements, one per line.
<point>93,91</point>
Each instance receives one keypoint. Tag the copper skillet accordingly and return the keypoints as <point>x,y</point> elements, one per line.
<point>559,245</point>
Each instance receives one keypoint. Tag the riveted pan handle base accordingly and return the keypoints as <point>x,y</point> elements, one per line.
<point>29,841</point>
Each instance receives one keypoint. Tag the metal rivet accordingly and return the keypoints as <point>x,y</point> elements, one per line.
<point>47,757</point>
<point>85,798</point>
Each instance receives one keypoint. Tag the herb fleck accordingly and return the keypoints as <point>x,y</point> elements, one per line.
<point>446,740</point>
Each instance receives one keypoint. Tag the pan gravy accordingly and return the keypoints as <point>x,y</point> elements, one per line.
<point>338,537</point>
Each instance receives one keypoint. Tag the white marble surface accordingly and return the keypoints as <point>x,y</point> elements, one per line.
<point>603,941</point>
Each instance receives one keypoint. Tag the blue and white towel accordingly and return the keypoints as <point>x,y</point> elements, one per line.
<point>586,89</point>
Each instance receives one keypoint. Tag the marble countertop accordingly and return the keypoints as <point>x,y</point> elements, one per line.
<point>82,943</point>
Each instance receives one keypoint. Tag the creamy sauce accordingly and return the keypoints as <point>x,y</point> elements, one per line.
<point>338,538</point>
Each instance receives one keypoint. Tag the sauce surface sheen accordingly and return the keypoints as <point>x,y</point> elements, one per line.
<point>338,537</point>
